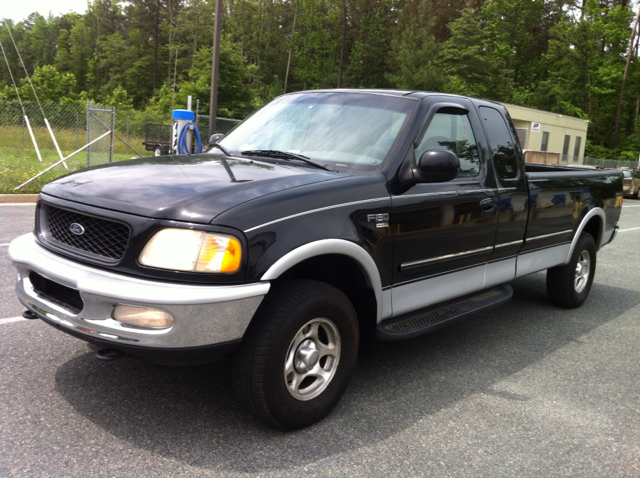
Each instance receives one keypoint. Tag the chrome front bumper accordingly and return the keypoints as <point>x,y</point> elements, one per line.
<point>204,315</point>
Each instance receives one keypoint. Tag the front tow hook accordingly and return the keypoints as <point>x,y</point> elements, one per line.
<point>108,354</point>
<point>27,314</point>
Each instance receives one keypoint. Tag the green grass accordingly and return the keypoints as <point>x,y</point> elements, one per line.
<point>19,163</point>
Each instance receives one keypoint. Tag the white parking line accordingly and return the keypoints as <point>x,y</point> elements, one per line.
<point>633,205</point>
<point>11,319</point>
<point>631,229</point>
<point>3,245</point>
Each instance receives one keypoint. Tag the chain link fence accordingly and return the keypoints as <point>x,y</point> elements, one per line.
<point>223,125</point>
<point>118,135</point>
<point>100,122</point>
<point>610,163</point>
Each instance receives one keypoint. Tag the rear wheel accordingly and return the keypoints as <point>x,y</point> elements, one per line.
<point>569,285</point>
<point>296,361</point>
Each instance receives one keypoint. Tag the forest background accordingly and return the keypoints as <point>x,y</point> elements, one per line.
<point>555,55</point>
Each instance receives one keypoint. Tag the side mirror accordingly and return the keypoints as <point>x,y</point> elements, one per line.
<point>215,138</point>
<point>437,166</point>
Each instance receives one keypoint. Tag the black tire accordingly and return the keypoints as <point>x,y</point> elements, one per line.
<point>569,285</point>
<point>261,377</point>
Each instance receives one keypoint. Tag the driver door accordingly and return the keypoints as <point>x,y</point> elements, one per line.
<point>444,232</point>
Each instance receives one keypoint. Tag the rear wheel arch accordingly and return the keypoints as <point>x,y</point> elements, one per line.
<point>592,223</point>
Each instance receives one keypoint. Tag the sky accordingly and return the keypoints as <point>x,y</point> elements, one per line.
<point>18,10</point>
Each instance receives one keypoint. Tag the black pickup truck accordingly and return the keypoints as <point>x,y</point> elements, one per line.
<point>325,221</point>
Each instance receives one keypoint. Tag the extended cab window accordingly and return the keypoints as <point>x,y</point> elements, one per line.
<point>501,141</point>
<point>450,129</point>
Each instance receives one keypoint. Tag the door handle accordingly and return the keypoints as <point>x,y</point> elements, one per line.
<point>487,205</point>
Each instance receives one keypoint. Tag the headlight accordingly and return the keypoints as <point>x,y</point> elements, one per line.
<point>192,251</point>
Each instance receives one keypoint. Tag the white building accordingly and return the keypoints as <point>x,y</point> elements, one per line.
<point>549,137</point>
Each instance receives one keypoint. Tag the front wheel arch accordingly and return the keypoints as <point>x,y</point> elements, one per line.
<point>345,274</point>
<point>351,251</point>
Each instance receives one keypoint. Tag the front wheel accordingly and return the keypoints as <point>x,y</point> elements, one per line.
<point>297,359</point>
<point>569,285</point>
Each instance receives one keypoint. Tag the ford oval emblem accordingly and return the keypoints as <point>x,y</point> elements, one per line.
<point>77,229</point>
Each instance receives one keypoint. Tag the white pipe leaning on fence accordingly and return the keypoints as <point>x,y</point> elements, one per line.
<point>46,121</point>
<point>62,160</point>
<point>33,138</point>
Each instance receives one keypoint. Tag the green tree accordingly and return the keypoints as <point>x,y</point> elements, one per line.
<point>233,92</point>
<point>43,39</point>
<point>414,51</point>
<point>369,41</point>
<point>473,59</point>
<point>120,99</point>
<point>50,85</point>
<point>586,59</point>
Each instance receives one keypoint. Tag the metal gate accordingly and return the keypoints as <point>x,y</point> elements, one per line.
<point>99,121</point>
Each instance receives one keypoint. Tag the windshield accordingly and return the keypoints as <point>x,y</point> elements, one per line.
<point>344,130</point>
<point>627,174</point>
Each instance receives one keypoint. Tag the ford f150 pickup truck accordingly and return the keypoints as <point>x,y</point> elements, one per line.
<point>325,221</point>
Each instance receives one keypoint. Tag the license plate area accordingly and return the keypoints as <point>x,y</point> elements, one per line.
<point>56,293</point>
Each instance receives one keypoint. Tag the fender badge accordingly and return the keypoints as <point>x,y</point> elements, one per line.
<point>76,228</point>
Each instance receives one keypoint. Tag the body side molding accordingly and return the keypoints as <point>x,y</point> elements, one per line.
<point>332,246</point>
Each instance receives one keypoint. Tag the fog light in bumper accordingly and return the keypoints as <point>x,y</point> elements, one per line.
<point>142,317</point>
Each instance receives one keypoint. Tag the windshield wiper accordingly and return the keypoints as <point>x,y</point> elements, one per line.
<point>221,148</point>
<point>272,153</point>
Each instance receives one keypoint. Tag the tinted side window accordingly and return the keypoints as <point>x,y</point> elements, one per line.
<point>501,142</point>
<point>452,131</point>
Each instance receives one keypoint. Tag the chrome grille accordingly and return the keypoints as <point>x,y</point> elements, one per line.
<point>101,237</point>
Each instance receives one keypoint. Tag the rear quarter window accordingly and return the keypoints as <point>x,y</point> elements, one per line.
<point>501,141</point>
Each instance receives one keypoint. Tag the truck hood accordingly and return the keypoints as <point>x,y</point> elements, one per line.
<point>193,188</point>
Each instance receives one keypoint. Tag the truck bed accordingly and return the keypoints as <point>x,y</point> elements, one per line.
<point>560,196</point>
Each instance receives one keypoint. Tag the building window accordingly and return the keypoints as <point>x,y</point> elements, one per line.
<point>545,141</point>
<point>576,148</point>
<point>565,148</point>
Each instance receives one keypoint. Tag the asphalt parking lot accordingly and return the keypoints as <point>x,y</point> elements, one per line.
<point>527,390</point>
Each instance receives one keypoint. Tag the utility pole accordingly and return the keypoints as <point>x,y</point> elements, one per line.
<point>215,67</point>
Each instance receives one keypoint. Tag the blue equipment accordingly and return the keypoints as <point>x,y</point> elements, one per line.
<point>184,129</point>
